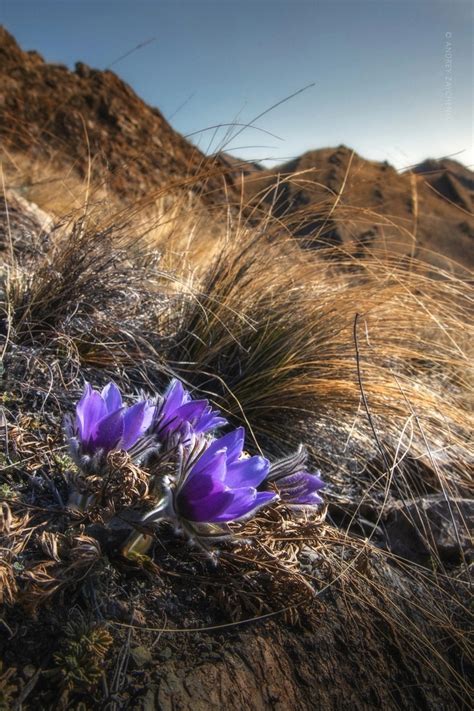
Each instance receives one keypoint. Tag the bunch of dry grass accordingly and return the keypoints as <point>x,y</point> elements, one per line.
<point>52,183</point>
<point>270,330</point>
<point>87,297</point>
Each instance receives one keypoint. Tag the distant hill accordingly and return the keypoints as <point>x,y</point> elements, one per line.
<point>450,179</point>
<point>334,196</point>
<point>239,166</point>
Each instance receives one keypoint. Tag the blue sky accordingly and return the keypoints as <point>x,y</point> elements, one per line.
<point>392,78</point>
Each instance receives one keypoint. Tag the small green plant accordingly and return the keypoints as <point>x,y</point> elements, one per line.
<point>7,398</point>
<point>63,461</point>
<point>6,492</point>
<point>79,662</point>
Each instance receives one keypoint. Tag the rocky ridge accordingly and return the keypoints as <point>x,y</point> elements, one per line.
<point>92,118</point>
<point>333,196</point>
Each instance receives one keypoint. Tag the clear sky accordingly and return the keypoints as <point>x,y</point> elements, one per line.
<point>392,78</point>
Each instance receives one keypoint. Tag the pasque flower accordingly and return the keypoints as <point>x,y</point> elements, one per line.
<point>103,424</point>
<point>180,415</point>
<point>215,483</point>
<point>296,486</point>
<point>221,485</point>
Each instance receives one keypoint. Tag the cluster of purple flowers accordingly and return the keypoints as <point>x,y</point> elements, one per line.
<point>215,482</point>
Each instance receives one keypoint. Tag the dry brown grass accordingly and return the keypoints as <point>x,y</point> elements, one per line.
<point>270,330</point>
<point>50,184</point>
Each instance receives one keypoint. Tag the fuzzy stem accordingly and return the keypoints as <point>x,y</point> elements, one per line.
<point>139,543</point>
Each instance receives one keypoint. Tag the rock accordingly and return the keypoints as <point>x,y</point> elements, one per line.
<point>148,702</point>
<point>29,671</point>
<point>165,654</point>
<point>141,656</point>
<point>430,525</point>
<point>28,225</point>
<point>83,70</point>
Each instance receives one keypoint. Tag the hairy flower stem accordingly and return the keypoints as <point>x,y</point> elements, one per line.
<point>139,543</point>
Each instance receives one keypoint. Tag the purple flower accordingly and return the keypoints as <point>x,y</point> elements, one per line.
<point>221,485</point>
<point>180,415</point>
<point>296,486</point>
<point>300,489</point>
<point>104,424</point>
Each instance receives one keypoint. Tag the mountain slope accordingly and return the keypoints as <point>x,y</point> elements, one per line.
<point>449,179</point>
<point>334,196</point>
<point>73,117</point>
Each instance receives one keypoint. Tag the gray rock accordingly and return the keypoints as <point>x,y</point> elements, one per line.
<point>430,526</point>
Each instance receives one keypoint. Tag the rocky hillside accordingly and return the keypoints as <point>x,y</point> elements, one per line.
<point>333,196</point>
<point>71,117</point>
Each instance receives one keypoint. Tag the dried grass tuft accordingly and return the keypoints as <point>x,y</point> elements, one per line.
<point>70,560</point>
<point>122,486</point>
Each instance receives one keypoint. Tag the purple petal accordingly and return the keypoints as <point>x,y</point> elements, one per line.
<point>112,397</point>
<point>190,411</point>
<point>89,411</point>
<point>136,420</point>
<point>246,502</point>
<point>196,488</point>
<point>175,396</point>
<point>178,407</point>
<point>185,434</point>
<point>242,502</point>
<point>199,488</point>
<point>213,466</point>
<point>206,509</point>
<point>149,415</point>
<point>247,472</point>
<point>109,431</point>
<point>209,421</point>
<point>232,443</point>
<point>300,489</point>
<point>80,410</point>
